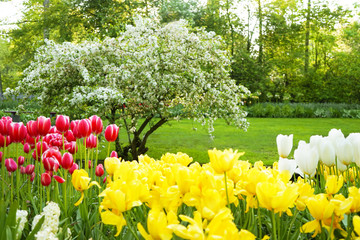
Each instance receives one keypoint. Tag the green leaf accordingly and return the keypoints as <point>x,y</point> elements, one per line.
<point>36,229</point>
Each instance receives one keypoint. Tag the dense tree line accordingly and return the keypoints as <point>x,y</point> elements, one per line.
<point>282,50</point>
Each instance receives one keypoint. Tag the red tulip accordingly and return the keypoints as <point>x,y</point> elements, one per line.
<point>17,132</point>
<point>52,152</point>
<point>32,129</point>
<point>71,147</point>
<point>44,147</point>
<point>45,179</point>
<point>43,125</point>
<point>74,125</point>
<point>26,148</point>
<point>73,168</point>
<point>91,141</point>
<point>21,160</point>
<point>49,163</point>
<point>111,133</point>
<point>67,161</point>
<point>53,130</point>
<point>22,170</point>
<point>90,164</point>
<point>114,154</point>
<point>99,171</point>
<point>4,125</point>
<point>59,179</point>
<point>1,155</point>
<point>84,128</point>
<point>2,140</point>
<point>29,169</point>
<point>96,124</point>
<point>10,165</point>
<point>69,135</point>
<point>62,123</point>
<point>32,177</point>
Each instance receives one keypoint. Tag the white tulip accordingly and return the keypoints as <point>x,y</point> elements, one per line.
<point>354,138</point>
<point>344,151</point>
<point>327,152</point>
<point>285,164</point>
<point>306,158</point>
<point>315,141</point>
<point>284,145</point>
<point>335,135</point>
<point>341,167</point>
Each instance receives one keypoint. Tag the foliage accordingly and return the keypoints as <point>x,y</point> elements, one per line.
<point>145,73</point>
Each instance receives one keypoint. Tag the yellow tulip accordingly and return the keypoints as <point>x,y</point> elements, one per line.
<point>246,235</point>
<point>354,193</point>
<point>223,161</point>
<point>356,223</point>
<point>80,180</point>
<point>111,164</point>
<point>333,184</point>
<point>111,218</point>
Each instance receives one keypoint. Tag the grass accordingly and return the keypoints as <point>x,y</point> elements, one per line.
<point>258,142</point>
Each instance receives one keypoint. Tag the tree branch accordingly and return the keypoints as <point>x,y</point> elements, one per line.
<point>148,133</point>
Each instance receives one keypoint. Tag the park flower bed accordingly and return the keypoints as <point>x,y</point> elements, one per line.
<point>47,194</point>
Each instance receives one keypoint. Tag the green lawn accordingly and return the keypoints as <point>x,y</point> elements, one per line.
<point>258,142</point>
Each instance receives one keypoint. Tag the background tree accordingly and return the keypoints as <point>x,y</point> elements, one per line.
<point>147,76</point>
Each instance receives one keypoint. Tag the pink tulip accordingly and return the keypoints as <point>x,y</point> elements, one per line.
<point>17,132</point>
<point>91,141</point>
<point>2,140</point>
<point>74,125</point>
<point>26,148</point>
<point>104,181</point>
<point>84,128</point>
<point>67,161</point>
<point>69,135</point>
<point>90,164</point>
<point>114,154</point>
<point>62,123</point>
<point>21,160</point>
<point>22,170</point>
<point>32,129</point>
<point>4,125</point>
<point>43,125</point>
<point>99,171</point>
<point>52,152</point>
<point>73,168</point>
<point>71,147</point>
<point>111,133</point>
<point>45,179</point>
<point>49,163</point>
<point>59,179</point>
<point>10,165</point>
<point>96,124</point>
<point>29,169</point>
<point>32,177</point>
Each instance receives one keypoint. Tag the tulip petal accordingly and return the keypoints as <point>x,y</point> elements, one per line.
<point>310,227</point>
<point>80,200</point>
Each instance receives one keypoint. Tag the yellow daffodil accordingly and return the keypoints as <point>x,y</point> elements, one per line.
<point>333,184</point>
<point>81,182</point>
<point>223,161</point>
<point>157,223</point>
<point>277,197</point>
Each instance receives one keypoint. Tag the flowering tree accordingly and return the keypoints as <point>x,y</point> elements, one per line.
<point>149,75</point>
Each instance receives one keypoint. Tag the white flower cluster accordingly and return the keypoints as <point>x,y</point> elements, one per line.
<point>50,227</point>
<point>150,68</point>
<point>21,219</point>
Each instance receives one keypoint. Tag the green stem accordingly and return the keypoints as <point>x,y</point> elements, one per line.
<point>85,162</point>
<point>273,225</point>
<point>17,172</point>
<point>259,220</point>
<point>12,185</point>
<point>226,190</point>
<point>108,152</point>
<point>3,171</point>
<point>130,224</point>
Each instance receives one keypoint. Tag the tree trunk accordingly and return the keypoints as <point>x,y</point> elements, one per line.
<point>231,28</point>
<point>46,4</point>
<point>260,59</point>
<point>307,37</point>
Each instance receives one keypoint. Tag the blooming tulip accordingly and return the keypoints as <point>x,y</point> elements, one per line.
<point>10,165</point>
<point>67,161</point>
<point>344,151</point>
<point>81,182</point>
<point>43,125</point>
<point>4,125</point>
<point>285,164</point>
<point>84,128</point>
<point>49,163</point>
<point>111,133</point>
<point>99,171</point>
<point>45,179</point>
<point>32,129</point>
<point>74,125</point>
<point>284,145</point>
<point>96,124</point>
<point>335,135</point>
<point>111,164</point>
<point>91,141</point>
<point>59,179</point>
<point>306,158</point>
<point>17,132</point>
<point>2,140</point>
<point>29,169</point>
<point>71,147</point>
<point>73,168</point>
<point>69,135</point>
<point>62,123</point>
<point>223,161</point>
<point>114,154</point>
<point>21,160</point>
<point>327,152</point>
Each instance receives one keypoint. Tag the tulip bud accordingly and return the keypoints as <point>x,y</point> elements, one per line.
<point>96,124</point>
<point>99,171</point>
<point>62,123</point>
<point>67,161</point>
<point>59,179</point>
<point>32,177</point>
<point>114,154</point>
<point>104,181</point>
<point>111,133</point>
<point>344,151</point>
<point>45,179</point>
<point>21,160</point>
<point>306,158</point>
<point>84,128</point>
<point>73,168</point>
<point>43,125</point>
<point>284,145</point>
<point>26,148</point>
<point>29,169</point>
<point>327,152</point>
<point>22,170</point>
<point>90,164</point>
<point>10,165</point>
<point>32,129</point>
